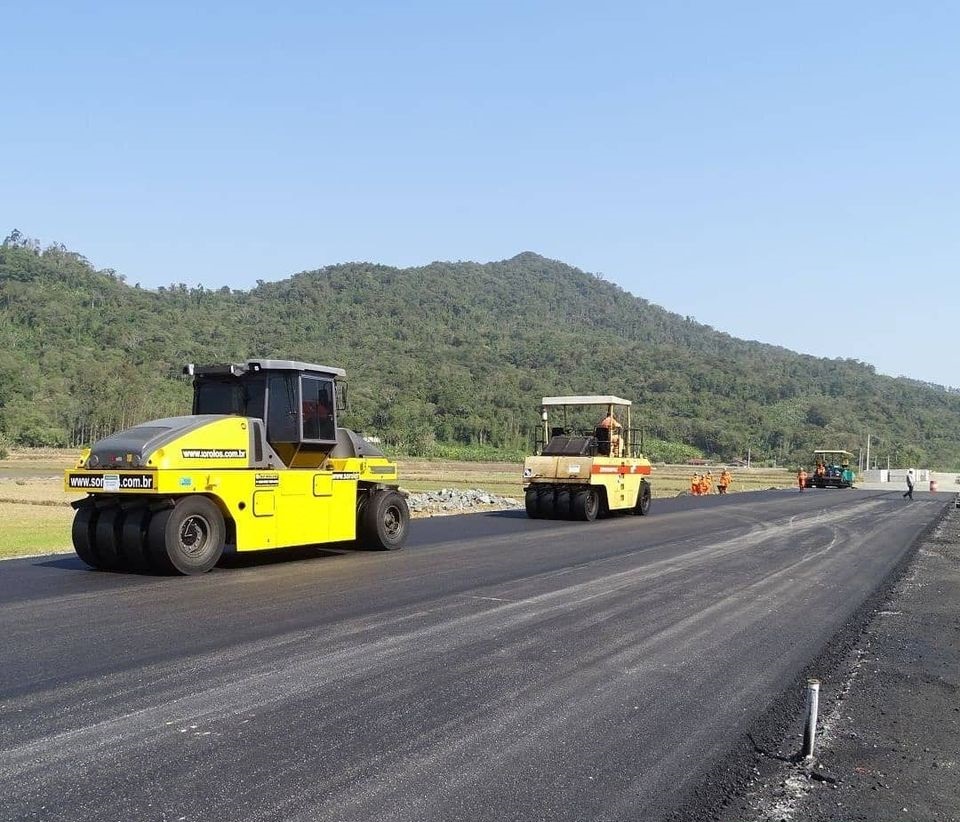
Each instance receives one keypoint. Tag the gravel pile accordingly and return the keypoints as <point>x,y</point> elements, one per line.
<point>457,500</point>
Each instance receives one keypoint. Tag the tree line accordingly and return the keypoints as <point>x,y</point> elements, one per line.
<point>439,357</point>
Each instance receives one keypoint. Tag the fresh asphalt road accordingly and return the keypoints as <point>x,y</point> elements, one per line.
<point>499,668</point>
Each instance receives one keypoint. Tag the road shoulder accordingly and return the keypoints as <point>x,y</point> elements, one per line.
<point>889,726</point>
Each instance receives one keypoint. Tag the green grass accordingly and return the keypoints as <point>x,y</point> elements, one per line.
<point>34,529</point>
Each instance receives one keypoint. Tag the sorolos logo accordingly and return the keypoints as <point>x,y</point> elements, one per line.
<point>214,453</point>
<point>111,482</point>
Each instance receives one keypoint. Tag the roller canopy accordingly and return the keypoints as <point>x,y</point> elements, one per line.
<point>586,399</point>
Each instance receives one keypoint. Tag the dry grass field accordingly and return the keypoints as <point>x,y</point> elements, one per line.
<point>36,513</point>
<point>504,478</point>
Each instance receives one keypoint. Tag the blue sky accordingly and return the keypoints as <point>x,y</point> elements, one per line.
<point>758,166</point>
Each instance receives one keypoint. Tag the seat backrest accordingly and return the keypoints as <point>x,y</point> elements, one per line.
<point>563,446</point>
<point>603,440</point>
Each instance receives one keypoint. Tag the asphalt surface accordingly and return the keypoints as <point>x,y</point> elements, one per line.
<point>889,724</point>
<point>498,668</point>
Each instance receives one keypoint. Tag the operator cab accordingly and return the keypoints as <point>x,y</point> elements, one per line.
<point>296,401</point>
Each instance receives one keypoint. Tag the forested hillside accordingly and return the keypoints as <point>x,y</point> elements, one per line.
<point>446,353</point>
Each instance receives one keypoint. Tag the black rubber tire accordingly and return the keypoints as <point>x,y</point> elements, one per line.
<point>83,533</point>
<point>545,498</point>
<point>133,538</point>
<point>586,505</point>
<point>643,500</point>
<point>384,521</point>
<point>187,538</point>
<point>531,502</point>
<point>562,504</point>
<point>107,538</point>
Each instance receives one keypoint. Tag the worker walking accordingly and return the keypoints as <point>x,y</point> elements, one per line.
<point>708,482</point>
<point>908,494</point>
<point>802,479</point>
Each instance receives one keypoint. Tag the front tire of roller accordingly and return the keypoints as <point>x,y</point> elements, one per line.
<point>133,539</point>
<point>83,534</point>
<point>385,521</point>
<point>562,504</point>
<point>187,538</point>
<point>545,506</point>
<point>530,502</point>
<point>107,538</point>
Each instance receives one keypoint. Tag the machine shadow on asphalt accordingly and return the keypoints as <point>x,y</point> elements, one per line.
<point>230,561</point>
<point>255,559</point>
<point>69,563</point>
<point>509,513</point>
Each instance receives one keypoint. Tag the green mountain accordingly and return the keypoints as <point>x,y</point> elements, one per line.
<point>448,353</point>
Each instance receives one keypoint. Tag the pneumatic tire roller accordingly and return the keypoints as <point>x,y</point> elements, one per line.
<point>261,464</point>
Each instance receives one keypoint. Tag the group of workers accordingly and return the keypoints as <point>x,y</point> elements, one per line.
<point>819,471</point>
<point>701,484</point>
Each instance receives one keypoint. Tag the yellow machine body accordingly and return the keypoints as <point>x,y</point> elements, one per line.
<point>274,507</point>
<point>260,464</point>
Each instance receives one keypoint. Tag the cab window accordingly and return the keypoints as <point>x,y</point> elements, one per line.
<point>318,409</point>
<point>241,397</point>
<point>282,400</point>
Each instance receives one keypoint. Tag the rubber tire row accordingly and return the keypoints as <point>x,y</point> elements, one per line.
<point>139,537</point>
<point>552,502</point>
<point>549,502</point>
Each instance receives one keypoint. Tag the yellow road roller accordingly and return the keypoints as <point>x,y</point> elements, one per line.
<point>589,460</point>
<point>260,464</point>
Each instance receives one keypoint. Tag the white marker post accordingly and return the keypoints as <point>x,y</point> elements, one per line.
<point>810,731</point>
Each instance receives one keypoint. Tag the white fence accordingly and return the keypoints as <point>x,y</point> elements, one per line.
<point>946,481</point>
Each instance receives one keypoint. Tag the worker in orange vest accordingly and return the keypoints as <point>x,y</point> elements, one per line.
<point>725,479</point>
<point>802,479</point>
<point>708,483</point>
<point>695,486</point>
<point>613,427</point>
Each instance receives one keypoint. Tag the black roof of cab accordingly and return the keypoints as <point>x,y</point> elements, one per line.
<point>239,369</point>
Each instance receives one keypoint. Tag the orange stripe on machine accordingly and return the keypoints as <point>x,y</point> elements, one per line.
<point>620,469</point>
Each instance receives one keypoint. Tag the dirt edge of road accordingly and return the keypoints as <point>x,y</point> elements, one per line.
<point>760,779</point>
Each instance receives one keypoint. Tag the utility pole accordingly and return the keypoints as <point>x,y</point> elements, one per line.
<point>868,452</point>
